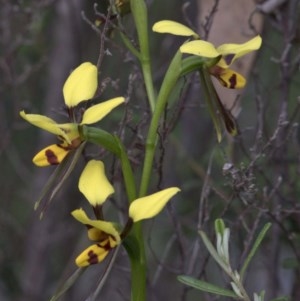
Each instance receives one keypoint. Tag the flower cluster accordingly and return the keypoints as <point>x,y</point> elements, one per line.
<point>95,186</point>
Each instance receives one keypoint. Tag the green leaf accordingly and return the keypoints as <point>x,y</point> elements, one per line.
<point>206,287</point>
<point>211,249</point>
<point>253,250</point>
<point>99,137</point>
<point>57,179</point>
<point>219,226</point>
<point>67,284</point>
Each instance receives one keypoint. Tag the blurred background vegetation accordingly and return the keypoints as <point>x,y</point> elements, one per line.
<point>247,181</point>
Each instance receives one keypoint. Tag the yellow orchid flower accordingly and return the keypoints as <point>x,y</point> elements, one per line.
<point>80,86</point>
<point>68,132</point>
<point>105,233</point>
<point>94,184</point>
<point>228,52</point>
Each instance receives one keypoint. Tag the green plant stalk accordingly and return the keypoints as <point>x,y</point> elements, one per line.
<point>139,12</point>
<point>167,87</point>
<point>138,265</point>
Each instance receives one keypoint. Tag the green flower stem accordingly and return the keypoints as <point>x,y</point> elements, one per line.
<point>114,145</point>
<point>138,261</point>
<point>139,12</point>
<point>167,87</point>
<point>138,266</point>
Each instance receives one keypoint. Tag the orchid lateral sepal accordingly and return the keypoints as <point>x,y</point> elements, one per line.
<point>58,178</point>
<point>219,114</point>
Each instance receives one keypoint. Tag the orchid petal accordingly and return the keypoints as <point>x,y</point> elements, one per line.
<point>92,255</point>
<point>172,27</point>
<point>99,111</point>
<point>149,206</point>
<point>50,155</point>
<point>103,226</point>
<point>231,52</point>
<point>94,184</point>
<point>228,78</point>
<point>81,84</point>
<point>200,48</point>
<point>45,123</point>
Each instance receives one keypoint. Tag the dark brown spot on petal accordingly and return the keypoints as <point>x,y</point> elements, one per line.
<point>51,157</point>
<point>93,258</point>
<point>232,81</point>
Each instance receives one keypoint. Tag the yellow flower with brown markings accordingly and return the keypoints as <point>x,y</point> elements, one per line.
<point>228,53</point>
<point>107,235</point>
<point>80,86</point>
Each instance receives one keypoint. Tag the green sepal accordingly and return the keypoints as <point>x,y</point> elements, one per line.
<point>194,63</point>
<point>67,284</point>
<point>58,177</point>
<point>99,137</point>
<point>211,103</point>
<point>218,113</point>
<point>207,287</point>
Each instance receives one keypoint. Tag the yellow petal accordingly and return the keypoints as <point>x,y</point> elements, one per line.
<point>96,234</point>
<point>94,184</point>
<point>231,52</point>
<point>172,27</point>
<point>200,48</point>
<point>228,78</point>
<point>45,123</point>
<point>50,155</point>
<point>103,226</point>
<point>97,112</point>
<point>92,255</point>
<point>81,84</point>
<point>149,206</point>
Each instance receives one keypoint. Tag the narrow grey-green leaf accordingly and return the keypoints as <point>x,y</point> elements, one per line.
<point>67,284</point>
<point>211,249</point>
<point>254,248</point>
<point>206,286</point>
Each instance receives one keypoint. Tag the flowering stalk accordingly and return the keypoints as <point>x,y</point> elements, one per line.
<point>139,12</point>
